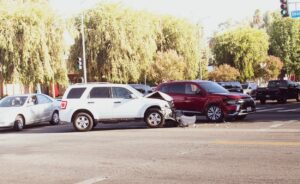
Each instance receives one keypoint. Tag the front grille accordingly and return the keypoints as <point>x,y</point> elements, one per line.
<point>247,102</point>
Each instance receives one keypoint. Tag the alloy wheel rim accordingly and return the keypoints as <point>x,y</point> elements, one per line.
<point>82,122</point>
<point>214,113</point>
<point>154,119</point>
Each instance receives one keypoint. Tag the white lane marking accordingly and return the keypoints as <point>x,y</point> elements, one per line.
<point>92,180</point>
<point>276,125</point>
<point>290,110</point>
<point>274,109</point>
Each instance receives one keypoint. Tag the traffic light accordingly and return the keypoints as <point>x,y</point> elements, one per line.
<point>284,8</point>
<point>79,63</point>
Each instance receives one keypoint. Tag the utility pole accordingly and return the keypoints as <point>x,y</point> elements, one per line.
<point>83,49</point>
<point>199,48</point>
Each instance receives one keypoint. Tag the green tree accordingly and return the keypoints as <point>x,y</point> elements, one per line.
<point>241,48</point>
<point>285,42</point>
<point>122,44</point>
<point>224,73</point>
<point>31,43</point>
<point>270,69</point>
<point>167,66</point>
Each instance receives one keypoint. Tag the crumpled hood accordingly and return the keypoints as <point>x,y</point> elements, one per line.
<point>159,95</point>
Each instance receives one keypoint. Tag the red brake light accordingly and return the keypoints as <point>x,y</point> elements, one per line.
<point>63,104</point>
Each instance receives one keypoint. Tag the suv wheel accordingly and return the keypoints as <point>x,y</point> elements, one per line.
<point>154,118</point>
<point>83,122</point>
<point>55,118</point>
<point>214,113</point>
<point>298,97</point>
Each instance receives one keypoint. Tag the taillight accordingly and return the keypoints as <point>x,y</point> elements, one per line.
<point>63,104</point>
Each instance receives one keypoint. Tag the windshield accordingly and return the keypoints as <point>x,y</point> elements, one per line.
<point>13,101</point>
<point>136,92</point>
<point>244,86</point>
<point>213,87</point>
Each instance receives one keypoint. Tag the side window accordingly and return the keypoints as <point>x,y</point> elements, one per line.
<point>43,100</point>
<point>33,100</point>
<point>75,93</point>
<point>100,92</point>
<point>165,89</point>
<point>191,89</point>
<point>177,88</point>
<point>119,92</point>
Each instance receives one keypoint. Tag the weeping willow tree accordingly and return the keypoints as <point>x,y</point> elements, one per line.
<point>122,44</point>
<point>31,43</point>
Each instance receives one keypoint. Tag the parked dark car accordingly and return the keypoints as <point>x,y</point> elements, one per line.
<point>144,89</point>
<point>209,99</point>
<point>280,90</point>
<point>234,87</point>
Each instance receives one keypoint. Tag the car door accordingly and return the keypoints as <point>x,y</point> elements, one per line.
<point>124,106</point>
<point>46,107</point>
<point>34,110</point>
<point>194,100</point>
<point>100,102</point>
<point>176,91</point>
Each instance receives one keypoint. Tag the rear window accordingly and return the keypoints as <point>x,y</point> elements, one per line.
<point>277,84</point>
<point>75,93</point>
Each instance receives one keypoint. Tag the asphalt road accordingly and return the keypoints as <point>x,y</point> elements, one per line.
<point>263,148</point>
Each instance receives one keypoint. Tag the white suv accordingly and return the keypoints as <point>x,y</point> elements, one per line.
<point>85,105</point>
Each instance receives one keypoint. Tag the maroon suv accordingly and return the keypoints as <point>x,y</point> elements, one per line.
<point>207,98</point>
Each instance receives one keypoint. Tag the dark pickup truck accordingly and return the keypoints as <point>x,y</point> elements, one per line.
<point>280,90</point>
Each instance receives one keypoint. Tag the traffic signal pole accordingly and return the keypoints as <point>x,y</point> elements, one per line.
<point>83,49</point>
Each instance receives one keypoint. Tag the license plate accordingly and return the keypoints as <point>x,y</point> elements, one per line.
<point>268,96</point>
<point>249,109</point>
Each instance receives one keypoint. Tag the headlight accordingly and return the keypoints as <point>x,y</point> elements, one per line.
<point>231,102</point>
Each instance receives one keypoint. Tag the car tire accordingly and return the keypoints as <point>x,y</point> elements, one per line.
<point>240,117</point>
<point>298,97</point>
<point>19,123</point>
<point>282,100</point>
<point>83,122</point>
<point>55,118</point>
<point>262,101</point>
<point>154,118</point>
<point>214,113</point>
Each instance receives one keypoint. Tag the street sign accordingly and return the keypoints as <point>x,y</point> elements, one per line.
<point>295,14</point>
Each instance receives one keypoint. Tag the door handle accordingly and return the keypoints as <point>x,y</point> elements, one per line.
<point>117,102</point>
<point>91,102</point>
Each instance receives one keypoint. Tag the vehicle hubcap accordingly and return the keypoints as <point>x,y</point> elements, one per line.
<point>214,113</point>
<point>154,119</point>
<point>82,122</point>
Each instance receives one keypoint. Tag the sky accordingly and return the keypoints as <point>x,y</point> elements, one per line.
<point>209,13</point>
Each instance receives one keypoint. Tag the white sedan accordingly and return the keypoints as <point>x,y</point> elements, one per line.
<point>20,110</point>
